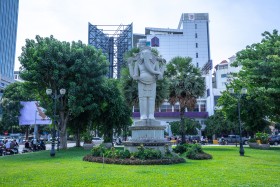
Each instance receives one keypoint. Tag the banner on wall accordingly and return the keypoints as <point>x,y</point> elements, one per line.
<point>32,114</point>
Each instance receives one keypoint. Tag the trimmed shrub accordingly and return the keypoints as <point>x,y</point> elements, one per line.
<point>98,151</point>
<point>181,148</point>
<point>193,151</point>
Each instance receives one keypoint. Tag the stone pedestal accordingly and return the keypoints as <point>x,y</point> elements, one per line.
<point>150,134</point>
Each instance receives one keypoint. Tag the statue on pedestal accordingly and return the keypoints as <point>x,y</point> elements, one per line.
<point>146,68</point>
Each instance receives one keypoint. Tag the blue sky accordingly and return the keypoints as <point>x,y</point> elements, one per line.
<point>234,24</point>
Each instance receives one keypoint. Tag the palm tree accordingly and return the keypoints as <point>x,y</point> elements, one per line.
<point>186,85</point>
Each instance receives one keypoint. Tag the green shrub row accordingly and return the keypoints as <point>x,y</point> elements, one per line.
<point>193,151</point>
<point>142,153</point>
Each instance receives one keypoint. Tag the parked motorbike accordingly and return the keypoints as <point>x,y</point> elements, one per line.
<point>11,151</point>
<point>222,141</point>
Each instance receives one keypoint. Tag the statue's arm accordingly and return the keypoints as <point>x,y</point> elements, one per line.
<point>130,66</point>
<point>136,71</point>
<point>147,57</point>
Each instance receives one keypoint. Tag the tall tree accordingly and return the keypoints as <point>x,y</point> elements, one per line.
<point>115,115</point>
<point>80,69</point>
<point>261,67</point>
<point>186,85</point>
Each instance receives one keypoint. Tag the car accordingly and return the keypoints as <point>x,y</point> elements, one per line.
<point>274,140</point>
<point>97,140</point>
<point>233,139</point>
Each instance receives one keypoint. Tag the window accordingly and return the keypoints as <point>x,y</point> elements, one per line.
<point>195,35</point>
<point>195,26</point>
<point>166,108</point>
<point>223,67</point>
<point>196,55</point>
<point>202,108</point>
<point>196,45</point>
<point>223,75</point>
<point>196,108</point>
<point>176,108</point>
<point>136,108</point>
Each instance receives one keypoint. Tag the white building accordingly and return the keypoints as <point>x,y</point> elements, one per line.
<point>221,76</point>
<point>190,39</point>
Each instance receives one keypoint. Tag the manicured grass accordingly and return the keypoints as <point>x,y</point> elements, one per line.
<point>227,168</point>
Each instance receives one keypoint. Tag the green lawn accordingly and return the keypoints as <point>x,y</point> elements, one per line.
<point>227,168</point>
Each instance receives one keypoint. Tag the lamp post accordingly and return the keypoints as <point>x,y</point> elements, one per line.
<point>239,96</point>
<point>54,96</point>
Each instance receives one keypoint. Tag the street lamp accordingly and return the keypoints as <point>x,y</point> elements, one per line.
<point>239,96</point>
<point>54,96</point>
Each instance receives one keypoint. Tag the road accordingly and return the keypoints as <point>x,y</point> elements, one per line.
<point>48,146</point>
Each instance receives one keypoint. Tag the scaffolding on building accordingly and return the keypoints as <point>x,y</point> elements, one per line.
<point>114,41</point>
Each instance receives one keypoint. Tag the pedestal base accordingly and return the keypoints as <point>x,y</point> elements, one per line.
<point>150,134</point>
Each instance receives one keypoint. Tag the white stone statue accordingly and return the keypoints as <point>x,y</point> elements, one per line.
<point>146,68</point>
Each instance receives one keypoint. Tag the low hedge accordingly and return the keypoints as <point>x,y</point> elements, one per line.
<point>131,161</point>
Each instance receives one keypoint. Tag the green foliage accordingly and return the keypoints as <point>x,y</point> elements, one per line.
<point>186,84</point>
<point>123,154</point>
<point>181,148</point>
<point>219,125</point>
<point>253,106</point>
<point>263,137</point>
<point>114,114</point>
<point>252,140</point>
<point>147,153</point>
<point>193,151</point>
<point>260,69</point>
<point>79,68</point>
<point>87,137</point>
<point>190,126</point>
<point>98,151</point>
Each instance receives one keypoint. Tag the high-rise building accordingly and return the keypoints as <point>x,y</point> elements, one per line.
<point>8,34</point>
<point>190,39</point>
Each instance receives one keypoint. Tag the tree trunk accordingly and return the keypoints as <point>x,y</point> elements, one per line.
<point>62,130</point>
<point>183,130</point>
<point>27,132</point>
<point>78,138</point>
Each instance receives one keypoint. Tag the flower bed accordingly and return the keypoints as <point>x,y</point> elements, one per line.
<point>162,161</point>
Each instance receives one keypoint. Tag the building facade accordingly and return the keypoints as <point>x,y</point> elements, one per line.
<point>8,34</point>
<point>221,77</point>
<point>190,39</point>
